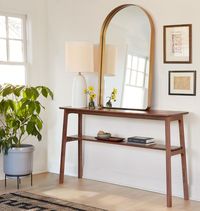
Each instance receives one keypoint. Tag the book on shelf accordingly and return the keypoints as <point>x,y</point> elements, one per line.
<point>142,144</point>
<point>141,140</point>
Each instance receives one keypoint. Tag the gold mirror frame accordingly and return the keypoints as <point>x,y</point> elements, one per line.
<point>102,53</point>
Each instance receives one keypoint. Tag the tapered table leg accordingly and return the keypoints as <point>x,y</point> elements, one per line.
<point>183,159</point>
<point>168,163</point>
<point>63,148</point>
<point>80,141</point>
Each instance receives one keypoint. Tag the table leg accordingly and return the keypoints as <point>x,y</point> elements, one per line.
<point>183,159</point>
<point>63,148</point>
<point>80,141</point>
<point>168,163</point>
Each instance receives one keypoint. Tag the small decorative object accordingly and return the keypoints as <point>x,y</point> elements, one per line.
<point>101,134</point>
<point>104,136</point>
<point>178,43</point>
<point>111,98</point>
<point>182,82</point>
<point>90,92</point>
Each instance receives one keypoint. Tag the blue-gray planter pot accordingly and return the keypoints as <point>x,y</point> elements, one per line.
<point>19,160</point>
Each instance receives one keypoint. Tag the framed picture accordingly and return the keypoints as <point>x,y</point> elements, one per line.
<point>177,41</point>
<point>182,82</point>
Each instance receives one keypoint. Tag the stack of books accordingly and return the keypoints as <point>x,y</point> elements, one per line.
<point>141,140</point>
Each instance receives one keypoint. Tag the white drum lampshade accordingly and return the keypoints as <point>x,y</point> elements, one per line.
<point>79,57</point>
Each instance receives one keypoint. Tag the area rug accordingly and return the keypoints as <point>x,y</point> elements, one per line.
<point>27,201</point>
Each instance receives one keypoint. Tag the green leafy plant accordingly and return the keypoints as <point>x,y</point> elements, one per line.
<point>20,110</point>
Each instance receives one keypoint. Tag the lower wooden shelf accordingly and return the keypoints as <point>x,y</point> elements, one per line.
<point>174,149</point>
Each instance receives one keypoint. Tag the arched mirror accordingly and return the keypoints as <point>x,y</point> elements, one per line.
<point>127,40</point>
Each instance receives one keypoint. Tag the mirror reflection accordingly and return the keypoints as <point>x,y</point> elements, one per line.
<point>126,59</point>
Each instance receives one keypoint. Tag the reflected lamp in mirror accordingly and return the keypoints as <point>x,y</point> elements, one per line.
<point>79,58</point>
<point>110,60</point>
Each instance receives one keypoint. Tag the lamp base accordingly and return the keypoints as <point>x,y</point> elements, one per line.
<point>79,99</point>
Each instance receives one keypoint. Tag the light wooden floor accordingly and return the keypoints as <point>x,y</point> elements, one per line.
<point>99,194</point>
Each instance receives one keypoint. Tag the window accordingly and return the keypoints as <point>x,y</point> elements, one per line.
<point>136,71</point>
<point>12,49</point>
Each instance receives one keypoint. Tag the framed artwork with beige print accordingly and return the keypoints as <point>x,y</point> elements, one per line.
<point>182,82</point>
<point>177,43</point>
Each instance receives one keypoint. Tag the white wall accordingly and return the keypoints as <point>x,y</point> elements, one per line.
<point>81,20</point>
<point>37,61</point>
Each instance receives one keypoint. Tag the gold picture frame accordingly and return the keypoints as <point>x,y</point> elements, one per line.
<point>182,82</point>
<point>177,43</point>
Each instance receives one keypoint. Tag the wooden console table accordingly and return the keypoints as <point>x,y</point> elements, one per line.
<point>166,116</point>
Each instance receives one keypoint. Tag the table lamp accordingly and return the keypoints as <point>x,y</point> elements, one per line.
<point>79,57</point>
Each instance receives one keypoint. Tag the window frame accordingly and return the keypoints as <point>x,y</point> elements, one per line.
<point>136,70</point>
<point>24,41</point>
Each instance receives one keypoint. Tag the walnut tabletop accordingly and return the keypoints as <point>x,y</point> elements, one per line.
<point>149,114</point>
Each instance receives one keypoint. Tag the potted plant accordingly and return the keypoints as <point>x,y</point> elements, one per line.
<point>20,109</point>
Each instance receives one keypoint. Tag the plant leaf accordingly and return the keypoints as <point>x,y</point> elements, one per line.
<point>37,107</point>
<point>7,90</point>
<point>44,92</point>
<point>30,127</point>
<point>50,93</point>
<point>39,137</point>
<point>17,90</point>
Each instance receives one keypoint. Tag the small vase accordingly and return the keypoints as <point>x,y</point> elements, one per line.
<point>109,104</point>
<point>91,105</point>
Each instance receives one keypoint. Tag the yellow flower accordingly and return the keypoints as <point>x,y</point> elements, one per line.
<point>113,95</point>
<point>90,92</point>
<point>91,88</point>
<point>115,91</point>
